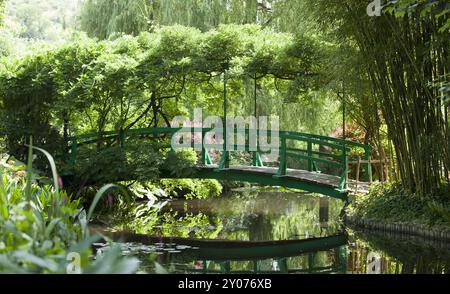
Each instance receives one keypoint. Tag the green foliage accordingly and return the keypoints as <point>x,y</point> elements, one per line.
<point>144,163</point>
<point>181,163</point>
<point>145,220</point>
<point>26,25</point>
<point>47,20</point>
<point>393,203</point>
<point>138,162</point>
<point>105,18</point>
<point>439,212</point>
<point>191,188</point>
<point>396,44</point>
<point>439,9</point>
<point>39,228</point>
<point>102,18</point>
<point>143,81</point>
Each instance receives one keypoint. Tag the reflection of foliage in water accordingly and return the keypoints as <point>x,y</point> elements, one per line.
<point>270,216</point>
<point>306,220</point>
<point>151,222</point>
<point>274,216</point>
<point>247,216</point>
<point>241,216</point>
<point>399,254</point>
<point>305,262</point>
<point>280,216</point>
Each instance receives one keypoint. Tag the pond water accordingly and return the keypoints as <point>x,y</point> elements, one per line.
<point>278,232</point>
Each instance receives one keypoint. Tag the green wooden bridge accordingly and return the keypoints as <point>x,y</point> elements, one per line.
<point>326,159</point>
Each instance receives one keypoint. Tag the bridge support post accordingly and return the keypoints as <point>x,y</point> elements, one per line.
<point>344,176</point>
<point>368,168</point>
<point>225,160</point>
<point>225,267</point>
<point>205,266</point>
<point>310,161</point>
<point>282,171</point>
<point>341,256</point>
<point>257,160</point>
<point>256,266</point>
<point>311,258</point>
<point>206,159</point>
<point>283,265</point>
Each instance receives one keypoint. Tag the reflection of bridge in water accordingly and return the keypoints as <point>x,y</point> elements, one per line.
<point>222,256</point>
<point>325,159</point>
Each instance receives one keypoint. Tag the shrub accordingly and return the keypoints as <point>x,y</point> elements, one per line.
<point>392,203</point>
<point>192,188</point>
<point>181,163</point>
<point>139,162</point>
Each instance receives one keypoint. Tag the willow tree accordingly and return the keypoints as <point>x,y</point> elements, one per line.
<point>405,53</point>
<point>102,18</point>
<point>206,14</point>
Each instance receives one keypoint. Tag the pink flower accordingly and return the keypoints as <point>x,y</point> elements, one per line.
<point>60,182</point>
<point>110,200</point>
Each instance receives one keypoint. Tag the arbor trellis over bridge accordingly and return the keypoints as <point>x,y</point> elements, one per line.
<point>328,153</point>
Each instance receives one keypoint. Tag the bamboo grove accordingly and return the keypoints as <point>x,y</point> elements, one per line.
<point>405,55</point>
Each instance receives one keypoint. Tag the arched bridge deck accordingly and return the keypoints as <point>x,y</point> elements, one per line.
<point>315,151</point>
<point>296,179</point>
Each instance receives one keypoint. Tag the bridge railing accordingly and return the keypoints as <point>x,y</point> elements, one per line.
<point>314,149</point>
<point>336,159</point>
<point>367,150</point>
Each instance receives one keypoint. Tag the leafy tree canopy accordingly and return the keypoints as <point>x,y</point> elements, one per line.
<point>146,80</point>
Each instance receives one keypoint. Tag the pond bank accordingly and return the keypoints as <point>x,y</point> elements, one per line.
<point>402,228</point>
<point>389,207</point>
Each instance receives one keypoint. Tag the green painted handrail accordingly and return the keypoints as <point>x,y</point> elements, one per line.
<point>333,139</point>
<point>337,158</point>
<point>315,141</point>
<point>149,131</point>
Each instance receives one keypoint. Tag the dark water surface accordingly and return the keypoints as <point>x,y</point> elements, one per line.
<point>280,232</point>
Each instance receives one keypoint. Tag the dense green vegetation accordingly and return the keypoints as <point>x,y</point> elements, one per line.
<point>417,34</point>
<point>31,24</point>
<point>394,204</point>
<point>406,71</point>
<point>147,80</point>
<point>41,227</point>
<point>69,68</point>
<point>101,18</point>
